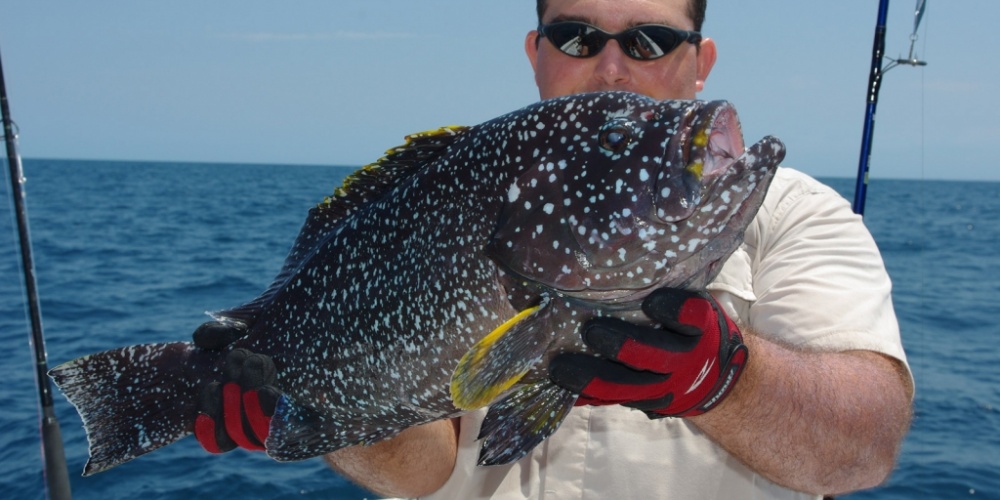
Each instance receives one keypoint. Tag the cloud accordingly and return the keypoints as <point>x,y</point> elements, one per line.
<point>315,37</point>
<point>961,87</point>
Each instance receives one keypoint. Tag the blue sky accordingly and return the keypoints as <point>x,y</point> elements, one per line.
<point>339,82</point>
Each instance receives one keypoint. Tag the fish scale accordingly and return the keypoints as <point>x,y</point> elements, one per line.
<point>445,276</point>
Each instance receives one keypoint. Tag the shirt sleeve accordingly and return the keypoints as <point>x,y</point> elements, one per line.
<point>810,275</point>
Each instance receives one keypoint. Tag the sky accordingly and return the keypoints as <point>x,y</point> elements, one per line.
<point>339,82</point>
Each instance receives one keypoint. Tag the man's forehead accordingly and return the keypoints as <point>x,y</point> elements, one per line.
<point>615,15</point>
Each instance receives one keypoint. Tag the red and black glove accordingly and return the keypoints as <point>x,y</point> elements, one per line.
<point>235,412</point>
<point>681,369</point>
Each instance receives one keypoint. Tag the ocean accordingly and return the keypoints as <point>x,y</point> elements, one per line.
<point>135,252</point>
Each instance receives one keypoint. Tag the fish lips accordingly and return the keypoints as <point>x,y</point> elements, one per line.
<point>707,143</point>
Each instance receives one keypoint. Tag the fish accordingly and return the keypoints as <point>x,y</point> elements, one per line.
<point>443,278</point>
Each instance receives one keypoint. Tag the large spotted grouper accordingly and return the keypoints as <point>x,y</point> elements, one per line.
<point>445,276</point>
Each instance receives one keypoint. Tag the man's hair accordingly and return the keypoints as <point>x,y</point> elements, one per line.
<point>696,11</point>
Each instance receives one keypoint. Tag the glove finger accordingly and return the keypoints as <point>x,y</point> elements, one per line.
<point>250,370</point>
<point>680,309</point>
<point>207,427</point>
<point>210,402</point>
<point>569,371</point>
<point>234,364</point>
<point>671,305</point>
<point>652,407</point>
<point>258,370</point>
<point>597,378</point>
<point>258,406</point>
<point>233,414</point>
<point>215,335</point>
<point>664,304</point>
<point>585,401</point>
<point>268,396</point>
<point>640,347</point>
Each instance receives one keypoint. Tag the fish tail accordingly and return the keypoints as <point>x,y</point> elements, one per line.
<point>135,399</point>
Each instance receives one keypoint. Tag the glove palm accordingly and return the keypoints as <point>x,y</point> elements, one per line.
<point>683,368</point>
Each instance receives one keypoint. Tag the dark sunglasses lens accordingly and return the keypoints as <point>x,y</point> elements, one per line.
<point>576,39</point>
<point>649,42</point>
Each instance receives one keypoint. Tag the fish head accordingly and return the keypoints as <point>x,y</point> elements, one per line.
<point>634,194</point>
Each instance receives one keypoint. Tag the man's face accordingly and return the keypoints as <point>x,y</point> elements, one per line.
<point>678,75</point>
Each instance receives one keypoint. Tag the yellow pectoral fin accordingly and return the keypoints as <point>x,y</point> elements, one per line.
<point>479,351</point>
<point>495,363</point>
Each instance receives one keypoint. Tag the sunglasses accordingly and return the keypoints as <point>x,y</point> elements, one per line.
<point>644,42</point>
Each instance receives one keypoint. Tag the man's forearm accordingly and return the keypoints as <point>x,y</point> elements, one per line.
<point>416,462</point>
<point>821,423</point>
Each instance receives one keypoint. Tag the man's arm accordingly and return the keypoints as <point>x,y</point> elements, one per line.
<point>814,421</point>
<point>823,423</point>
<point>807,417</point>
<point>416,462</point>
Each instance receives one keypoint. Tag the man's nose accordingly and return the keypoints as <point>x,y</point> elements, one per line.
<point>612,65</point>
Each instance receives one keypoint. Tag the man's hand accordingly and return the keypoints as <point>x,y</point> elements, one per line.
<point>682,369</point>
<point>235,412</point>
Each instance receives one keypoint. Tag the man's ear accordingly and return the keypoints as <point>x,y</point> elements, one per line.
<point>531,41</point>
<point>706,60</point>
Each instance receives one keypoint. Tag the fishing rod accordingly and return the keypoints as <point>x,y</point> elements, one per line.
<point>54,458</point>
<point>874,84</point>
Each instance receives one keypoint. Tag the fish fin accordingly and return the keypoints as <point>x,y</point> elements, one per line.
<point>298,432</point>
<point>499,360</point>
<point>516,424</point>
<point>368,183</point>
<point>135,399</point>
<point>375,179</point>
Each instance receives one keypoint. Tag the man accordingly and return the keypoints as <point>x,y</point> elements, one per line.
<point>824,399</point>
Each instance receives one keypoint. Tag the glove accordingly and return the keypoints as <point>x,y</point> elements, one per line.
<point>235,412</point>
<point>683,369</point>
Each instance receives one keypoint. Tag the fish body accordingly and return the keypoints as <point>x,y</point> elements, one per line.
<point>445,276</point>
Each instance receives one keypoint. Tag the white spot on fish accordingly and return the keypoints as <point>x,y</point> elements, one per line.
<point>513,193</point>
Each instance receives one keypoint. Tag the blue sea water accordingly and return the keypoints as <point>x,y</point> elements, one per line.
<point>136,252</point>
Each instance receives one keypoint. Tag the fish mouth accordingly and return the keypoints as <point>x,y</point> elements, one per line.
<point>708,143</point>
<point>724,142</point>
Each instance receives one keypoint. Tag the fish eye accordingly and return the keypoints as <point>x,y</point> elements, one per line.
<point>616,135</point>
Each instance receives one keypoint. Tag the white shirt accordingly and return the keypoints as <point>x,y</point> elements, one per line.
<point>808,274</point>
